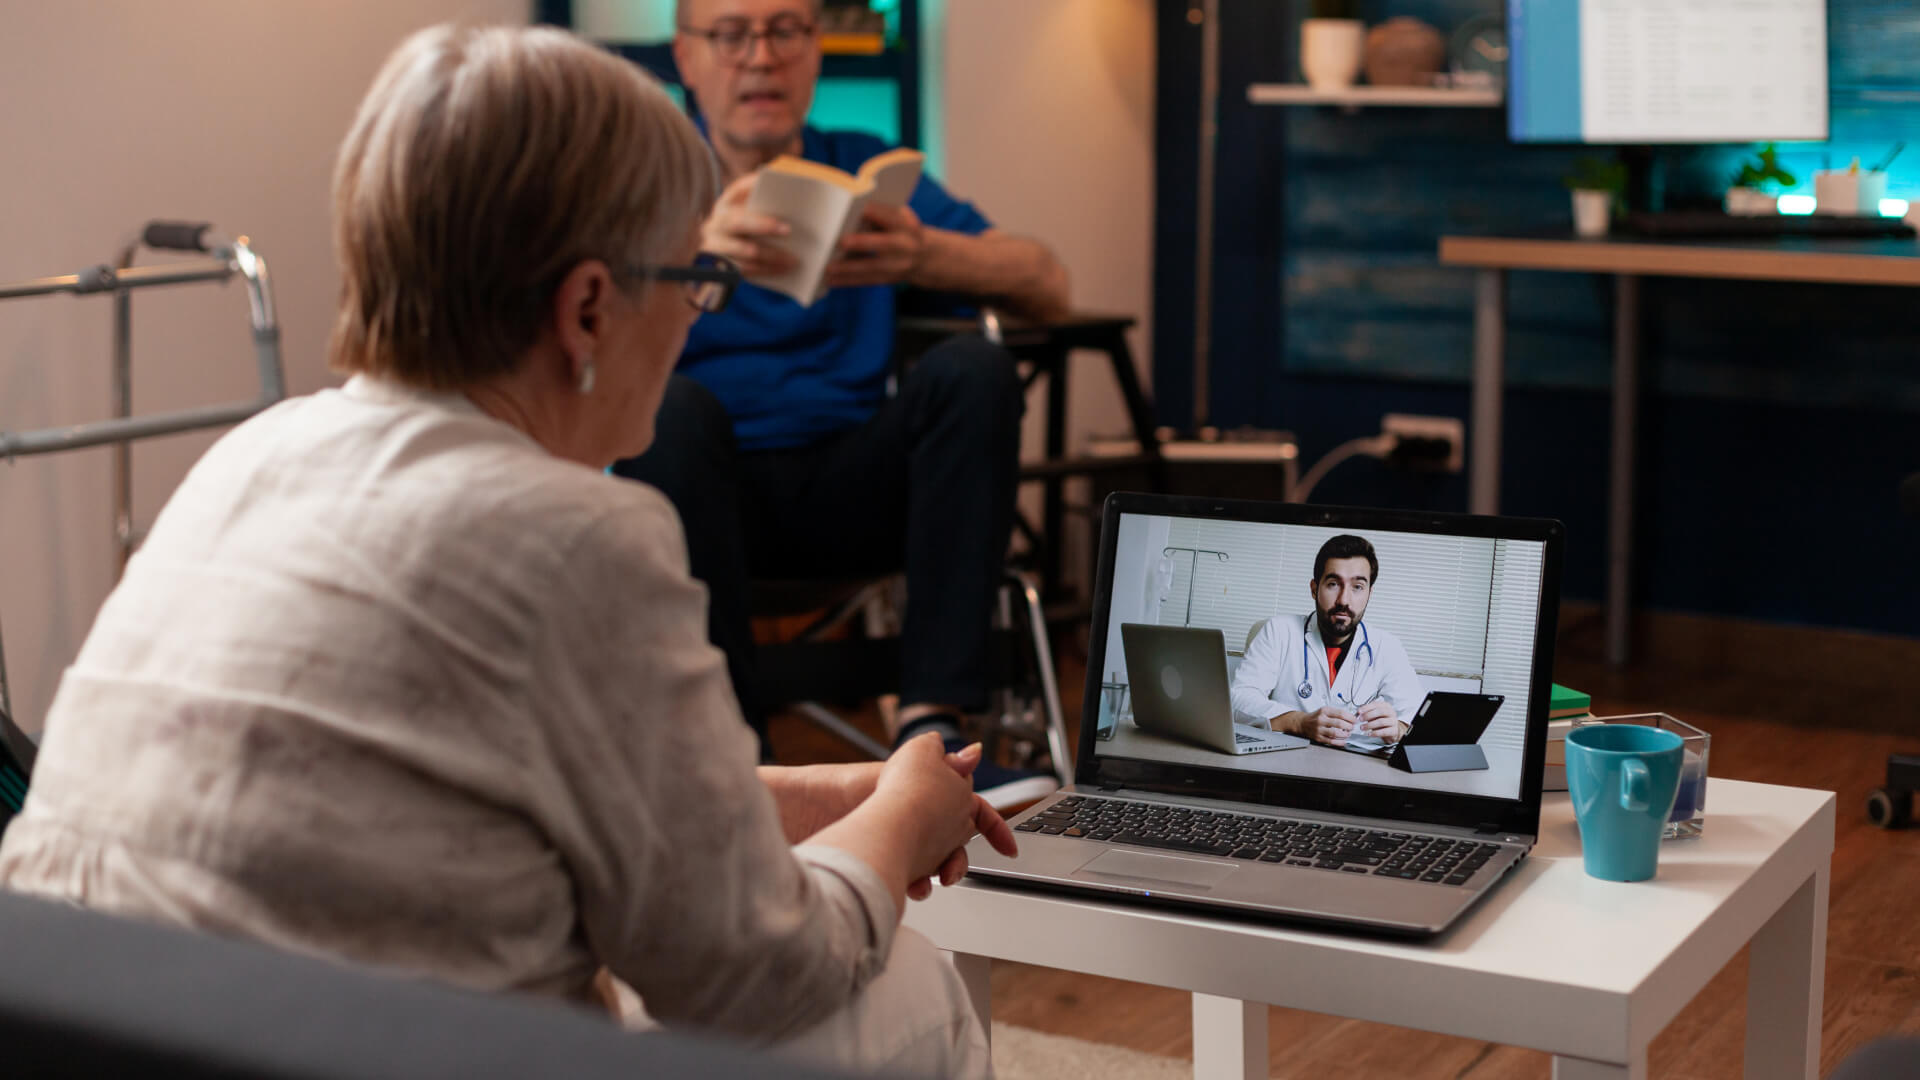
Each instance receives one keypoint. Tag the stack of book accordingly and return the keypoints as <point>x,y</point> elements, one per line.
<point>1565,708</point>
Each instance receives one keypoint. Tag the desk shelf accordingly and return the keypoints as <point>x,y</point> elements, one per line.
<point>1430,97</point>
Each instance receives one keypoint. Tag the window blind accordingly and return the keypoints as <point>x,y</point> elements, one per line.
<point>1433,595</point>
<point>1512,621</point>
<point>1230,595</point>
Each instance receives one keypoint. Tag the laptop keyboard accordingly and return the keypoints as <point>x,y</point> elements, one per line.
<point>1347,849</point>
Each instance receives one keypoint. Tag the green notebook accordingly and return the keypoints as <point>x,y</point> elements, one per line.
<point>1567,702</point>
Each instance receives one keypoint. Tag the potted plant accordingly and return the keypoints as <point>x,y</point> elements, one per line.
<point>1596,185</point>
<point>1748,194</point>
<point>1332,43</point>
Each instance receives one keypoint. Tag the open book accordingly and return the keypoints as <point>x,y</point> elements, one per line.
<point>823,204</point>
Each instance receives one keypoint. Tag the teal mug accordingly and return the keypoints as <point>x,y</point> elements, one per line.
<point>1622,779</point>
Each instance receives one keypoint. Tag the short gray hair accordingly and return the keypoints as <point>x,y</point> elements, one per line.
<point>484,164</point>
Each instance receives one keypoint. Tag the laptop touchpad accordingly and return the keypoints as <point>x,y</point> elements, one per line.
<point>1167,871</point>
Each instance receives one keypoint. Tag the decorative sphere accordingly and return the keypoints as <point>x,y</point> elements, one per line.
<point>1403,51</point>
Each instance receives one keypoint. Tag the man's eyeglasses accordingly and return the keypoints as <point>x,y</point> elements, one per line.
<point>709,281</point>
<point>787,37</point>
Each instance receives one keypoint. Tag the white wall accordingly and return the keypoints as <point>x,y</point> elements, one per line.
<point>230,110</point>
<point>1048,125</point>
<point>119,111</point>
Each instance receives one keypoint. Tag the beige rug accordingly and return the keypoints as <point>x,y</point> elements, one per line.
<point>1024,1054</point>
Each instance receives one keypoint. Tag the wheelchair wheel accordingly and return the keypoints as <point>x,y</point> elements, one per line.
<point>1890,809</point>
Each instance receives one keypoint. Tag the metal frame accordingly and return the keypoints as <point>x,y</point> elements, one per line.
<point>1209,15</point>
<point>1018,590</point>
<point>228,257</point>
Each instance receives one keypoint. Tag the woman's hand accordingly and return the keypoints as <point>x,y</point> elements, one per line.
<point>929,793</point>
<point>955,867</point>
<point>812,797</point>
<point>917,822</point>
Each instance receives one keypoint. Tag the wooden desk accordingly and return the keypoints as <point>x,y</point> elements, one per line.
<point>1628,259</point>
<point>1587,970</point>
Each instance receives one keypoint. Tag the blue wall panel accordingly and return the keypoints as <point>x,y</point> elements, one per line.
<point>1776,415</point>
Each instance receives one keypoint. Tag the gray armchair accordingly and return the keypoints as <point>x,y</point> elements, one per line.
<point>85,995</point>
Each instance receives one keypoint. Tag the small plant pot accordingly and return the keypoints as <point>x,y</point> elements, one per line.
<point>1750,202</point>
<point>1591,212</point>
<point>1331,51</point>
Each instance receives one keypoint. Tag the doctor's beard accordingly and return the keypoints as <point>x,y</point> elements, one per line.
<point>1334,632</point>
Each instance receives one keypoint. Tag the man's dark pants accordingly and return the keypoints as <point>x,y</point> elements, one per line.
<point>926,485</point>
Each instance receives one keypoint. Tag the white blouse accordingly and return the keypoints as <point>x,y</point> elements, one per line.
<point>388,682</point>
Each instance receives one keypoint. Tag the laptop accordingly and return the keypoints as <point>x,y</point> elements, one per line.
<point>1312,836</point>
<point>1183,692</point>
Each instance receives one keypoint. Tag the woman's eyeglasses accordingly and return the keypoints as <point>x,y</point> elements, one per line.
<point>733,39</point>
<point>709,281</point>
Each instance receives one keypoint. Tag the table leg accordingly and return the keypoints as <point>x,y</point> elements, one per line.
<point>1626,401</point>
<point>1229,1038</point>
<point>1568,1068</point>
<point>976,974</point>
<point>1786,984</point>
<point>1053,508</point>
<point>1139,409</point>
<point>1489,377</point>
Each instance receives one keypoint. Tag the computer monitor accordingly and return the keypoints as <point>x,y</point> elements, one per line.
<point>1666,71</point>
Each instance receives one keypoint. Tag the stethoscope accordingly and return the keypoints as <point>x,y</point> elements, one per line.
<point>1306,657</point>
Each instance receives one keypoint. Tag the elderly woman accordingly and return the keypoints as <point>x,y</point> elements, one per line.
<point>401,677</point>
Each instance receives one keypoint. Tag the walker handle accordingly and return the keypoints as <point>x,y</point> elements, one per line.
<point>176,235</point>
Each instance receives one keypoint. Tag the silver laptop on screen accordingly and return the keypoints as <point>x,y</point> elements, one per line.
<point>1184,694</point>
<point>1367,610</point>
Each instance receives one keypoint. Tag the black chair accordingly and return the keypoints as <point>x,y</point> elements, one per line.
<point>849,652</point>
<point>87,995</point>
<point>1891,806</point>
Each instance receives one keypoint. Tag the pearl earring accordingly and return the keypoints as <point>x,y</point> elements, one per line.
<point>586,376</point>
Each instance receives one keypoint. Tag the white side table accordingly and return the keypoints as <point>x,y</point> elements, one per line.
<point>1587,970</point>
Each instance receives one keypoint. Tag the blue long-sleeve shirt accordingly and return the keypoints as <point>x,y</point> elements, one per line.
<point>789,375</point>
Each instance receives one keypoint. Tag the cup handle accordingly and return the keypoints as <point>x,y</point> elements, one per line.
<point>1636,784</point>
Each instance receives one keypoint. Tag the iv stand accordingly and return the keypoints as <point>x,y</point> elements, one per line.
<point>1193,571</point>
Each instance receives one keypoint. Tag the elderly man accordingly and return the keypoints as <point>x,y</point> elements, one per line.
<point>778,442</point>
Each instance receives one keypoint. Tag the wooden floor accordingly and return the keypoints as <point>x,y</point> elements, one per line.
<point>1782,730</point>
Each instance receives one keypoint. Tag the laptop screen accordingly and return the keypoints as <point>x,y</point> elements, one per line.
<point>1333,632</point>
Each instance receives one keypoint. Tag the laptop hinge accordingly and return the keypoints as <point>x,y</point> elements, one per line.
<point>1488,829</point>
<point>1110,785</point>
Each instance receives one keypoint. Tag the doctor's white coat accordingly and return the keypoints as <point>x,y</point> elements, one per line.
<point>1269,678</point>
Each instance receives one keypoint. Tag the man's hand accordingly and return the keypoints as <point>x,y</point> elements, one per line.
<point>742,234</point>
<point>1330,725</point>
<point>1378,719</point>
<point>886,250</point>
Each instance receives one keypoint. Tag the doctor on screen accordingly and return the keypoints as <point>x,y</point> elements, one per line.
<point>1330,676</point>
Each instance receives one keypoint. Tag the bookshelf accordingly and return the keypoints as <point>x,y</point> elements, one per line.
<point>898,65</point>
